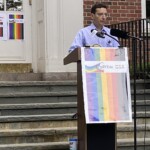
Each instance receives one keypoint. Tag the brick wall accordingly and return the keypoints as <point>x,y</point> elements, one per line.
<point>119,10</point>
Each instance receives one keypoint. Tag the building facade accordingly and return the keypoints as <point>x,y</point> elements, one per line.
<point>50,27</point>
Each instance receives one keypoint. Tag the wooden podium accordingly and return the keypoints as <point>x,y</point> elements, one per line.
<point>90,136</point>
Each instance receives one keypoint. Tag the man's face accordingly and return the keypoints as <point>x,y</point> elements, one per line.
<point>100,16</point>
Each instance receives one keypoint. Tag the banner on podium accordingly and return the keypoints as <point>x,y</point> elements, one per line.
<point>106,85</point>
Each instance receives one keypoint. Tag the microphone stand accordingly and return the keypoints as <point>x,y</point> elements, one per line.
<point>111,37</point>
<point>134,48</point>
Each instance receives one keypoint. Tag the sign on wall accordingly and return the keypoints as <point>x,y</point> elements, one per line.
<point>16,26</point>
<point>106,86</point>
<point>11,26</point>
<point>3,26</point>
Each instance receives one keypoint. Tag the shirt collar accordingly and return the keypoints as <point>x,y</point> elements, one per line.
<point>94,27</point>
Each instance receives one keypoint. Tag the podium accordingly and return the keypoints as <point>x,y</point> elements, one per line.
<point>90,136</point>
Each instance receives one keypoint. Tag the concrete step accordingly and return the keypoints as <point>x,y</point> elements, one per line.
<point>122,144</point>
<point>20,77</point>
<point>141,105</point>
<point>63,133</point>
<point>143,114</point>
<point>19,118</point>
<point>127,131</point>
<point>34,94</point>
<point>128,144</point>
<point>141,84</point>
<point>52,76</point>
<point>28,118</point>
<point>37,86</point>
<point>37,146</point>
<point>52,108</point>
<point>68,122</point>
<point>37,135</point>
<point>37,97</point>
<point>38,108</point>
<point>141,94</point>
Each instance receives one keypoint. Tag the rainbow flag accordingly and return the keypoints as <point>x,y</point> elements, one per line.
<point>16,26</point>
<point>1,29</point>
<point>106,85</point>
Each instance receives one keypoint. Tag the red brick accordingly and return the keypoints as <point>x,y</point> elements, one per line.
<point>120,10</point>
<point>124,19</point>
<point>88,14</point>
<point>131,15</point>
<point>131,3</point>
<point>131,7</point>
<point>87,18</point>
<point>115,10</point>
<point>110,11</point>
<point>116,15</point>
<point>138,4</point>
<point>87,10</point>
<point>123,15</point>
<point>123,7</point>
<point>114,3</point>
<point>122,3</point>
<point>115,7</point>
<point>138,11</point>
<point>131,11</point>
<point>88,2</point>
<point>88,6</point>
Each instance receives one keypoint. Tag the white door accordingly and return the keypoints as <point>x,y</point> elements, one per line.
<point>55,25</point>
<point>16,49</point>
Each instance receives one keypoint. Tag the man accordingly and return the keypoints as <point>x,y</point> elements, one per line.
<point>85,36</point>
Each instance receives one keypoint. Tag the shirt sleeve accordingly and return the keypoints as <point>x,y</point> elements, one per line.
<point>77,42</point>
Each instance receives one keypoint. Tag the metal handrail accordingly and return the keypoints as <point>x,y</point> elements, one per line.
<point>139,28</point>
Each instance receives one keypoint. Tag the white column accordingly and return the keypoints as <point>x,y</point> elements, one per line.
<point>38,32</point>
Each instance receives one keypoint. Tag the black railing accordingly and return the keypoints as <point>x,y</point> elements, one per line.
<point>139,55</point>
<point>141,29</point>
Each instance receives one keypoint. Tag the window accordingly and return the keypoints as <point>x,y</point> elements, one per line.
<point>11,5</point>
<point>147,8</point>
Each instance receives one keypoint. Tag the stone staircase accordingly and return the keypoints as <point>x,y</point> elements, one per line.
<point>37,115</point>
<point>125,131</point>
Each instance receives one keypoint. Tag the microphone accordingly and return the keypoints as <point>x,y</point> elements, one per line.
<point>99,34</point>
<point>123,34</point>
<point>119,33</point>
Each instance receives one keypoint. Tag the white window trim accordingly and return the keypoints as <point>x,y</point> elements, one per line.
<point>143,7</point>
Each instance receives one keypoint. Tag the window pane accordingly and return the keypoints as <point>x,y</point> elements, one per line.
<point>14,5</point>
<point>1,5</point>
<point>148,8</point>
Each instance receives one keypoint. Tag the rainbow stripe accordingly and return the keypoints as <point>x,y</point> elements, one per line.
<point>106,93</point>
<point>16,30</point>
<point>94,54</point>
<point>1,31</point>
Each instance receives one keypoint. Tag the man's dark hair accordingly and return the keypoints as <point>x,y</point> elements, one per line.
<point>97,5</point>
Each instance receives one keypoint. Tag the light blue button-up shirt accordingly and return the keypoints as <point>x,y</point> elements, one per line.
<point>85,38</point>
